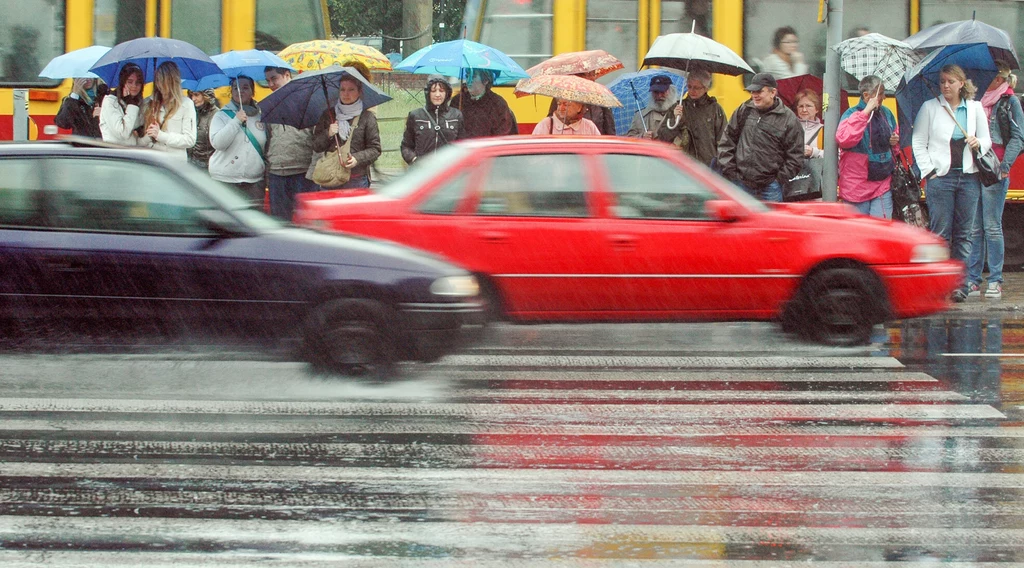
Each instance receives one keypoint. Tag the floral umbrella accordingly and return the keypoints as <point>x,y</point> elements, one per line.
<point>570,88</point>
<point>322,53</point>
<point>598,61</point>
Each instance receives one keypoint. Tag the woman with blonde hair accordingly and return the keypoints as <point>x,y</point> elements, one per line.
<point>1006,125</point>
<point>169,118</point>
<point>947,130</point>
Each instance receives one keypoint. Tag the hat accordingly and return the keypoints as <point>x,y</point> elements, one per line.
<point>762,80</point>
<point>660,83</point>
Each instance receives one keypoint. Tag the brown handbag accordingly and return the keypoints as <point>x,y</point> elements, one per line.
<point>330,170</point>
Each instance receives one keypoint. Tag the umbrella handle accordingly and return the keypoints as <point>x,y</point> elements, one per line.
<point>640,111</point>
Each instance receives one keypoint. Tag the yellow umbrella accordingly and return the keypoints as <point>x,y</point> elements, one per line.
<point>322,53</point>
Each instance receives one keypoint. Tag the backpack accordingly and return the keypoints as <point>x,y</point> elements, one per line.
<point>1004,118</point>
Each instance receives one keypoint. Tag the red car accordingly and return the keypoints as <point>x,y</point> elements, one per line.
<point>610,229</point>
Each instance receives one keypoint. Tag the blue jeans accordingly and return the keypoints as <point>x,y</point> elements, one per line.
<point>771,193</point>
<point>283,190</point>
<point>880,206</point>
<point>952,203</point>
<point>988,221</point>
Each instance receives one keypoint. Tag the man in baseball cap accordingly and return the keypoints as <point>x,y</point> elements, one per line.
<point>663,98</point>
<point>762,80</point>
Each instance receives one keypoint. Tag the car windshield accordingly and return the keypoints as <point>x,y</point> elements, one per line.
<point>230,199</point>
<point>424,170</point>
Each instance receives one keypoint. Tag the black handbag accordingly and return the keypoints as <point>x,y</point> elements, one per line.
<point>806,185</point>
<point>905,188</point>
<point>988,167</point>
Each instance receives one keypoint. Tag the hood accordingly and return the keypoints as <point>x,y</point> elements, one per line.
<point>438,80</point>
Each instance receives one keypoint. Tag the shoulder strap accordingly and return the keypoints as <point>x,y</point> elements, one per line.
<point>252,139</point>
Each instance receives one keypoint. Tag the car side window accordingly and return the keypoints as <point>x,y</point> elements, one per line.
<point>446,198</point>
<point>648,187</point>
<point>21,193</point>
<point>535,185</point>
<point>121,196</point>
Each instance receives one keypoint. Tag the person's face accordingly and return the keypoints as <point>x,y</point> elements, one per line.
<point>276,80</point>
<point>568,111</point>
<point>763,98</point>
<point>88,83</point>
<point>659,96</point>
<point>806,109</point>
<point>996,83</point>
<point>197,98</point>
<point>476,86</point>
<point>789,44</point>
<point>438,94</point>
<point>241,93</point>
<point>134,84</point>
<point>696,89</point>
<point>349,92</point>
<point>950,86</point>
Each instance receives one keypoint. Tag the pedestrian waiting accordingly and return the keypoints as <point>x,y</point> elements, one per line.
<point>485,113</point>
<point>568,120</point>
<point>238,138</point>
<point>697,123</point>
<point>80,111</point>
<point>289,155</point>
<point>433,125</point>
<point>867,137</point>
<point>169,117</point>
<point>348,123</point>
<point>647,121</point>
<point>206,107</point>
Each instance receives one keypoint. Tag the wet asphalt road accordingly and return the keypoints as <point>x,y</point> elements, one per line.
<point>696,445</point>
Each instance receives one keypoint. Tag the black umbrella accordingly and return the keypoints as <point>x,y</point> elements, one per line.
<point>967,31</point>
<point>302,101</point>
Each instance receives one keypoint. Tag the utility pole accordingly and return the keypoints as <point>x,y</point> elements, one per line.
<point>833,74</point>
<point>417,25</point>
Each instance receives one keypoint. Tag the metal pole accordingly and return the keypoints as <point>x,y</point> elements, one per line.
<point>20,115</point>
<point>833,75</point>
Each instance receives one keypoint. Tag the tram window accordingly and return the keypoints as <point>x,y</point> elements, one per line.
<point>115,21</point>
<point>1003,14</point>
<point>763,17</point>
<point>686,15</point>
<point>198,22</point>
<point>520,28</point>
<point>31,34</point>
<point>280,23</point>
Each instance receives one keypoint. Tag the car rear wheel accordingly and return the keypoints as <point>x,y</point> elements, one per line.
<point>353,337</point>
<point>841,306</point>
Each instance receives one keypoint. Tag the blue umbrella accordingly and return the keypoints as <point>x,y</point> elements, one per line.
<point>921,82</point>
<point>249,62</point>
<point>149,52</point>
<point>74,63</point>
<point>634,92</point>
<point>301,102</point>
<point>459,57</point>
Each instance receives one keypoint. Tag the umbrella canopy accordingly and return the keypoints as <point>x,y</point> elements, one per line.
<point>967,31</point>
<point>634,92</point>
<point>922,81</point>
<point>250,62</point>
<point>74,63</point>
<point>597,61</point>
<point>459,58</point>
<point>323,53</point>
<point>570,88</point>
<point>879,55</point>
<point>684,50</point>
<point>301,102</point>
<point>149,52</point>
<point>790,86</point>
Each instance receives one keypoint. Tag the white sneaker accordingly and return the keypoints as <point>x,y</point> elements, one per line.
<point>994,291</point>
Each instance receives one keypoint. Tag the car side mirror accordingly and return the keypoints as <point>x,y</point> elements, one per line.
<point>725,210</point>
<point>222,224</point>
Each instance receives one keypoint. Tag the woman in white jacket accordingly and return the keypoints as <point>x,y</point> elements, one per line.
<point>238,139</point>
<point>169,117</point>
<point>119,113</point>
<point>942,150</point>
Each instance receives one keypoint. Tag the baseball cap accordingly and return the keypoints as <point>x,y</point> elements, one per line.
<point>761,80</point>
<point>660,83</point>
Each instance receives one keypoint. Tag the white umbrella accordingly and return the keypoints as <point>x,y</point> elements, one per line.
<point>681,50</point>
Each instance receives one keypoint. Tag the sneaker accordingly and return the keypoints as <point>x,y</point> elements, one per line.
<point>960,295</point>
<point>994,291</point>
<point>973,290</point>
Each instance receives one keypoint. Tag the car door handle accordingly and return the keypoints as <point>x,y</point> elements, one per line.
<point>64,265</point>
<point>494,236</point>
<point>622,242</point>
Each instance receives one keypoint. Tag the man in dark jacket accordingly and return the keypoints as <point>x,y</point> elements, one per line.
<point>696,125</point>
<point>763,145</point>
<point>486,113</point>
<point>433,125</point>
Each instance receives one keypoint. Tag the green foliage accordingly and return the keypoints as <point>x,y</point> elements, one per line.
<point>384,18</point>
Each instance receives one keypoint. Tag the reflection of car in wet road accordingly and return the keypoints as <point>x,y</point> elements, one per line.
<point>577,229</point>
<point>98,233</point>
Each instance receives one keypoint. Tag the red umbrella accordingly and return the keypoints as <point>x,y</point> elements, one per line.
<point>597,61</point>
<point>788,89</point>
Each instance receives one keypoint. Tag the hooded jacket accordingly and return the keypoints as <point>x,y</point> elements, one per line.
<point>200,153</point>
<point>759,147</point>
<point>235,159</point>
<point>430,127</point>
<point>699,128</point>
<point>76,115</point>
<point>487,116</point>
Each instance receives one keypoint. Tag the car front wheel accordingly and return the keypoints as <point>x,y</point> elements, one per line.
<point>843,306</point>
<point>353,337</point>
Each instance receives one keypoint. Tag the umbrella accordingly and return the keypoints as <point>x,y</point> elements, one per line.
<point>570,88</point>
<point>922,81</point>
<point>149,52</point>
<point>302,101</point>
<point>249,63</point>
<point>74,63</point>
<point>457,58</point>
<point>967,31</point>
<point>790,86</point>
<point>598,61</point>
<point>323,53</point>
<point>683,49</point>
<point>634,92</point>
<point>879,55</point>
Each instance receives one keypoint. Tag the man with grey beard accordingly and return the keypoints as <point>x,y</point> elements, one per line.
<point>663,98</point>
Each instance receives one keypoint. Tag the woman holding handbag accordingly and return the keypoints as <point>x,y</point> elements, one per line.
<point>948,130</point>
<point>347,123</point>
<point>867,136</point>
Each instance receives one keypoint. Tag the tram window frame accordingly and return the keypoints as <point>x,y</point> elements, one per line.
<point>497,36</point>
<point>127,27</point>
<point>278,16</point>
<point>199,25</point>
<point>701,24</point>
<point>31,10</point>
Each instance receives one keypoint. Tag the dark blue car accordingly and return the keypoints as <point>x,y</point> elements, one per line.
<point>89,232</point>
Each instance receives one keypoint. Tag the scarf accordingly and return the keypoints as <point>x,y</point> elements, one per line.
<point>875,142</point>
<point>990,98</point>
<point>346,113</point>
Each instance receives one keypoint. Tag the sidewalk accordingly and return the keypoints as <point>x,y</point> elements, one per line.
<point>1012,300</point>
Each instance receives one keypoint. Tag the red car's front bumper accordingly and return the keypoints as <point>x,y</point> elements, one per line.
<point>921,289</point>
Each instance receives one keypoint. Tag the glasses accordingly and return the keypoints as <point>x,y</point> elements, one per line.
<point>790,41</point>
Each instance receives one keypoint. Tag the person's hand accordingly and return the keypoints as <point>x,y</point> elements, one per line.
<point>649,135</point>
<point>125,92</point>
<point>153,131</point>
<point>973,142</point>
<point>333,130</point>
<point>677,111</point>
<point>871,105</point>
<point>351,162</point>
<point>80,83</point>
<point>1003,175</point>
<point>894,140</point>
<point>796,57</point>
<point>808,150</point>
<point>96,110</point>
<point>241,116</point>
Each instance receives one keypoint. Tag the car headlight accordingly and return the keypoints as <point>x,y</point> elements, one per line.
<point>930,253</point>
<point>463,286</point>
